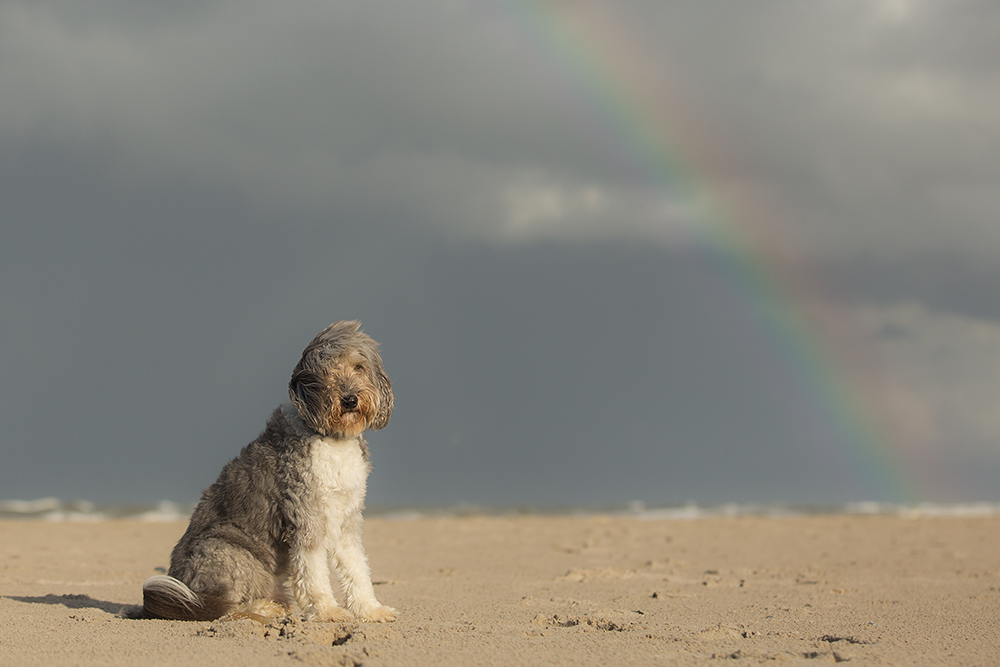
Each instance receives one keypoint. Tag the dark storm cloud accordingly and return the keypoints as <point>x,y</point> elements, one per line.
<point>294,105</point>
<point>191,190</point>
<point>868,118</point>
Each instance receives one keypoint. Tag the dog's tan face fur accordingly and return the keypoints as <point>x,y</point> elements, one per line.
<point>349,376</point>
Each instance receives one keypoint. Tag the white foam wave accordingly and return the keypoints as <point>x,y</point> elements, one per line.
<point>30,506</point>
<point>165,510</point>
<point>692,511</point>
<point>53,509</point>
<point>958,510</point>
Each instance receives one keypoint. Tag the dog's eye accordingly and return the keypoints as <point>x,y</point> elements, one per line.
<point>359,368</point>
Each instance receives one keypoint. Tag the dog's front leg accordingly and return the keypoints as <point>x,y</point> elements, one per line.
<point>311,584</point>
<point>348,559</point>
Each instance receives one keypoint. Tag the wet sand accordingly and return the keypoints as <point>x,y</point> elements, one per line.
<point>873,590</point>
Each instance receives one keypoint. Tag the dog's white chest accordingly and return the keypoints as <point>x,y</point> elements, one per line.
<point>339,470</point>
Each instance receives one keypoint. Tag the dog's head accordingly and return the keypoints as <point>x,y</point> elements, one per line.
<point>339,386</point>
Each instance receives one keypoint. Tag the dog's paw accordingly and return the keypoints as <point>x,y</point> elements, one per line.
<point>328,614</point>
<point>378,614</point>
<point>264,608</point>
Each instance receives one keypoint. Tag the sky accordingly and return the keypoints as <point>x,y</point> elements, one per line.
<point>641,250</point>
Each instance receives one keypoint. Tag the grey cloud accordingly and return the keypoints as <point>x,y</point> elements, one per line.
<point>872,122</point>
<point>860,115</point>
<point>949,367</point>
<point>941,388</point>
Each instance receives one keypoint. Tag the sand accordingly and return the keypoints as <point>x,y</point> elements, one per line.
<point>527,590</point>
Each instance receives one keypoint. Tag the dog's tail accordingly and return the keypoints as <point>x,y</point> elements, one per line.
<point>169,598</point>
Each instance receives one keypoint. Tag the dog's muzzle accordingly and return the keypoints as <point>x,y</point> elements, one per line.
<point>349,402</point>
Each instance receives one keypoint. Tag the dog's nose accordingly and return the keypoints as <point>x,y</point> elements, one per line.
<point>349,402</point>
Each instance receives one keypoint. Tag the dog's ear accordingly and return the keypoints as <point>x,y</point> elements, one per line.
<point>384,395</point>
<point>310,397</point>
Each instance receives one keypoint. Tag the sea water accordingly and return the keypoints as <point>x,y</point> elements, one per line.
<point>54,509</point>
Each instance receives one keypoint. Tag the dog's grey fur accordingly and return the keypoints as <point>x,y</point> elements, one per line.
<point>285,514</point>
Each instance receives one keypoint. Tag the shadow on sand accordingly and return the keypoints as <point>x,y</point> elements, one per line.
<point>80,601</point>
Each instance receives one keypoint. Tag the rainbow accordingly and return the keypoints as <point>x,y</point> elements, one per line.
<point>741,235</point>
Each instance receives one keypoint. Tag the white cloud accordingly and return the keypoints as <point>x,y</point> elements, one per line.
<point>472,199</point>
<point>893,11</point>
<point>547,205</point>
<point>538,207</point>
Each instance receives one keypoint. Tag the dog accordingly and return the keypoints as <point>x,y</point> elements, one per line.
<point>285,514</point>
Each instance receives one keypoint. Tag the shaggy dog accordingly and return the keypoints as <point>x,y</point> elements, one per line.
<point>285,514</point>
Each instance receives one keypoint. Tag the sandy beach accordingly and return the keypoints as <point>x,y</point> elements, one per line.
<point>596,590</point>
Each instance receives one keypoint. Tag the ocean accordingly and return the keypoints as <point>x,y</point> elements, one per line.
<point>54,509</point>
